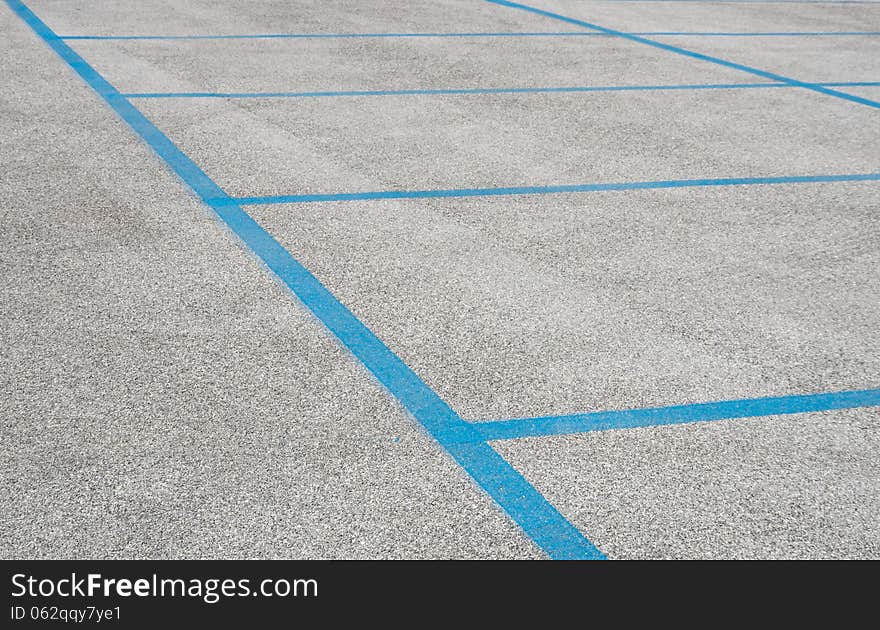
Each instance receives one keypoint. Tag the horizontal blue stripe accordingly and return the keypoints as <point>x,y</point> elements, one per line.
<point>538,518</point>
<point>454,91</point>
<point>750,1</point>
<point>690,53</point>
<point>472,34</point>
<point>679,414</point>
<point>543,190</point>
<point>763,34</point>
<point>335,35</point>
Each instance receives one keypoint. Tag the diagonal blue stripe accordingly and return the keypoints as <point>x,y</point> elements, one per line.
<point>690,53</point>
<point>526,506</point>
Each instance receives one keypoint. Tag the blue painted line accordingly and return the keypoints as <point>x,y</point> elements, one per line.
<point>679,414</point>
<point>819,2</point>
<point>689,53</point>
<point>464,91</point>
<point>525,505</point>
<point>761,33</point>
<point>334,35</point>
<point>469,35</point>
<point>447,91</point>
<point>852,84</point>
<point>748,1</point>
<point>542,190</point>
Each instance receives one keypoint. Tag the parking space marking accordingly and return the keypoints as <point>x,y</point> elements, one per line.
<point>542,190</point>
<point>690,53</point>
<point>334,35</point>
<point>470,34</point>
<point>676,414</point>
<point>758,33</point>
<point>540,520</point>
<point>464,91</point>
<point>761,33</point>
<point>817,2</point>
<point>467,442</point>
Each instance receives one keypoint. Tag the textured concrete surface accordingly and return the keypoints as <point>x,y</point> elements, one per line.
<point>558,304</point>
<point>390,64</point>
<point>293,146</point>
<point>718,16</point>
<point>217,17</point>
<point>865,92</point>
<point>162,397</point>
<point>820,59</point>
<point>799,486</point>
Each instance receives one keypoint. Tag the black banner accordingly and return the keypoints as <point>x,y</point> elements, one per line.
<point>151,594</point>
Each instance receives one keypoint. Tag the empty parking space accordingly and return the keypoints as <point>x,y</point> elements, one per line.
<point>800,486</point>
<point>560,304</point>
<point>388,64</point>
<point>226,17</point>
<point>312,146</point>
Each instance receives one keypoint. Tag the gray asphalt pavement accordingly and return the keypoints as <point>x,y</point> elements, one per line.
<point>165,397</point>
